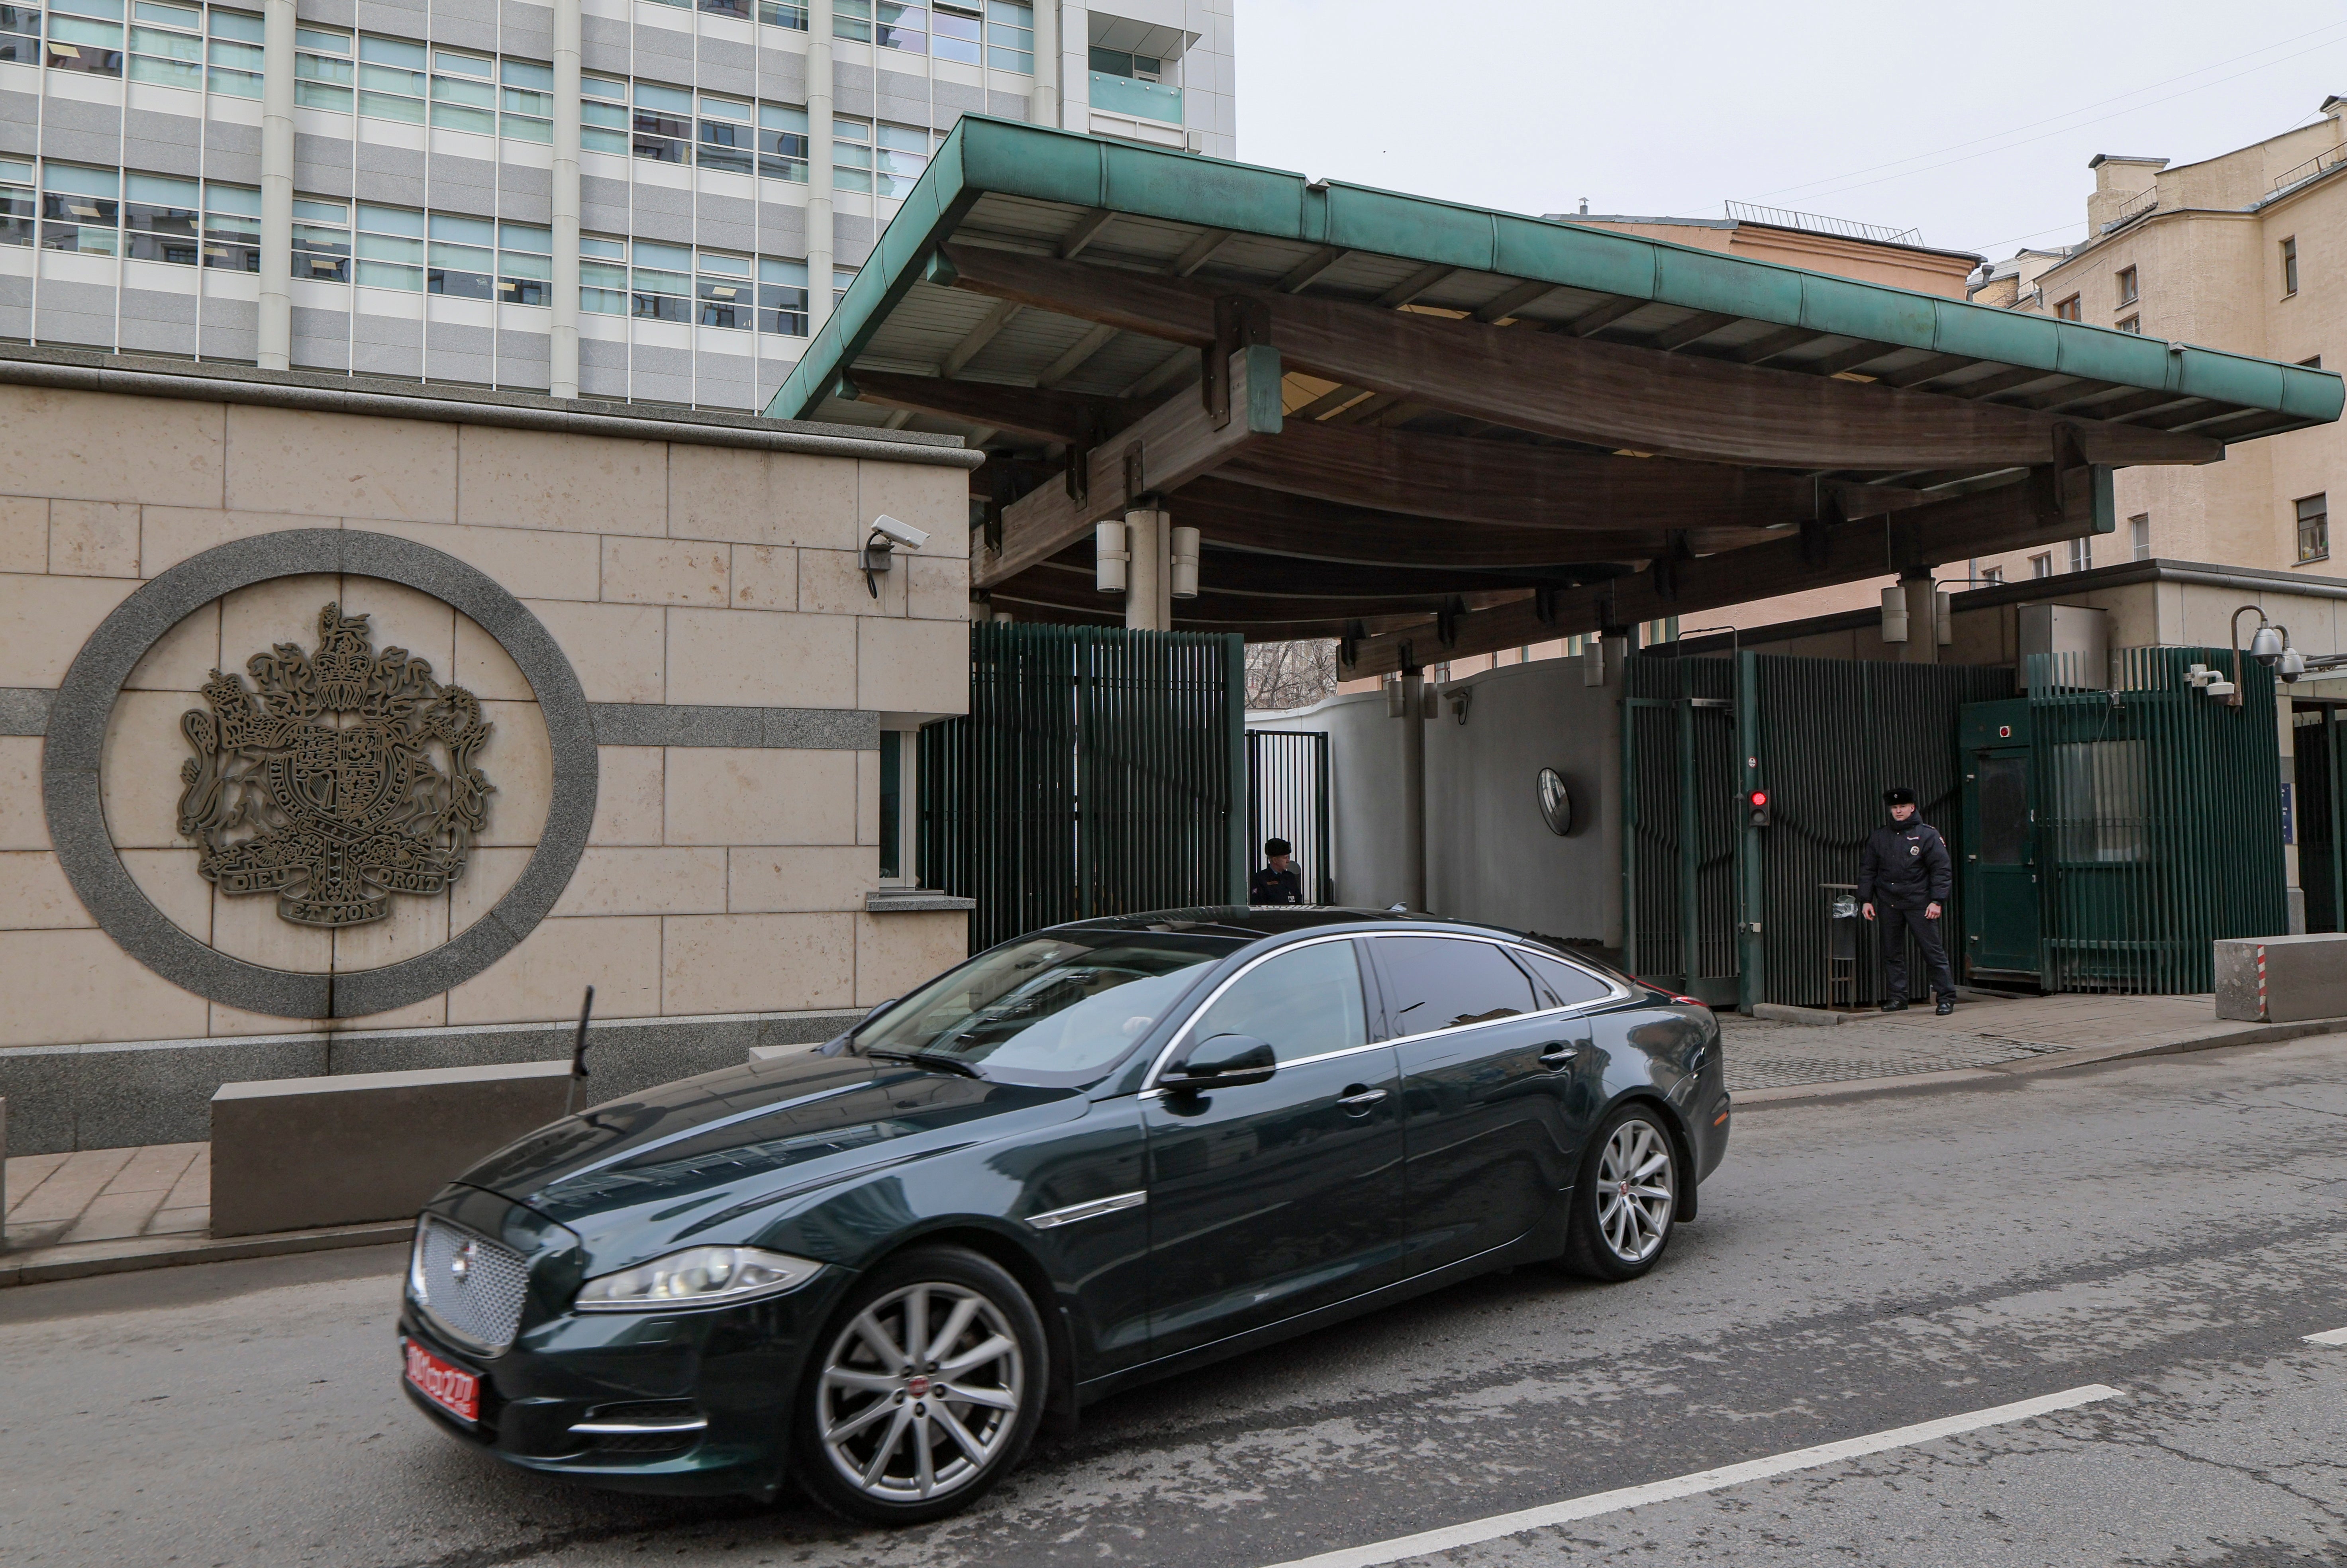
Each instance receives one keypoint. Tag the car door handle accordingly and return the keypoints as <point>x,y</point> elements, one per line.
<point>1557,1054</point>
<point>1357,1101</point>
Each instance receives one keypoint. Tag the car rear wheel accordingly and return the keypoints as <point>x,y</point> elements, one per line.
<point>927,1388</point>
<point>1624,1202</point>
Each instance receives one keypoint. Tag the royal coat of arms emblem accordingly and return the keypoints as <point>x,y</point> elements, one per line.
<point>346,777</point>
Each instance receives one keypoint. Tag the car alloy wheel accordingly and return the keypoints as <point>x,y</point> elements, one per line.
<point>1636,1190</point>
<point>928,1388</point>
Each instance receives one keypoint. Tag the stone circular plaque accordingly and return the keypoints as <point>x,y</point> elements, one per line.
<point>72,793</point>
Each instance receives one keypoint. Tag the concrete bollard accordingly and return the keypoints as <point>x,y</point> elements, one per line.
<point>2282,979</point>
<point>298,1154</point>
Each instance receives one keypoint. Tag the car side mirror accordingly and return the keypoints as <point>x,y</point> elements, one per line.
<point>1223,1061</point>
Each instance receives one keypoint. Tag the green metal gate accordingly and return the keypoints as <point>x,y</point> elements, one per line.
<point>2320,742</point>
<point>2159,818</point>
<point>1100,772</point>
<point>1822,738</point>
<point>1288,797</point>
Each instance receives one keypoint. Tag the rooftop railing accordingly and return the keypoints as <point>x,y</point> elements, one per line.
<point>1817,223</point>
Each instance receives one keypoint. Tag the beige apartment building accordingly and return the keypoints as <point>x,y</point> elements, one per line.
<point>2242,251</point>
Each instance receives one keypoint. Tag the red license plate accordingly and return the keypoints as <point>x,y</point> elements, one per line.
<point>450,1387</point>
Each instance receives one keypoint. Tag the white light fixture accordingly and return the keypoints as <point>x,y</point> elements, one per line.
<point>1396,703</point>
<point>1894,613</point>
<point>1184,553</point>
<point>1110,557</point>
<point>1943,617</point>
<point>1592,661</point>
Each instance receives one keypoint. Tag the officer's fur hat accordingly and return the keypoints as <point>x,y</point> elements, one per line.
<point>1898,795</point>
<point>1276,846</point>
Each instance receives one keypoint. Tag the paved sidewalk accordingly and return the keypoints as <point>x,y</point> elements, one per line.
<point>109,1194</point>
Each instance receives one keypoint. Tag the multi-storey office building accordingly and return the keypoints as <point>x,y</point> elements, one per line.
<point>592,198</point>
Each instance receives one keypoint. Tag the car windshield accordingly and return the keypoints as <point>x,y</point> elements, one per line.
<point>1051,1009</point>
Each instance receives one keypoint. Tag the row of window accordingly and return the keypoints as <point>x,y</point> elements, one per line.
<point>996,33</point>
<point>187,222</point>
<point>176,45</point>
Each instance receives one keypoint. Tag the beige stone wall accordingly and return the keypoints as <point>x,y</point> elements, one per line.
<point>717,880</point>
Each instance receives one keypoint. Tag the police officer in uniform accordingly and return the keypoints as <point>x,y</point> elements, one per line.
<point>1906,870</point>
<point>1278,882</point>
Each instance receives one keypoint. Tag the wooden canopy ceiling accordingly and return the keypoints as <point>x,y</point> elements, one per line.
<point>1431,430</point>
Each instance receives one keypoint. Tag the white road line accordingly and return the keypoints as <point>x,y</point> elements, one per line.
<point>1448,1539</point>
<point>2330,1336</point>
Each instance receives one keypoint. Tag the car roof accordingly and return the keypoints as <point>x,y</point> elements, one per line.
<point>1246,922</point>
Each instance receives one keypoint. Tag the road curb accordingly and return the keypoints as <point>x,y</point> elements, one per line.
<point>41,1265</point>
<point>2005,1072</point>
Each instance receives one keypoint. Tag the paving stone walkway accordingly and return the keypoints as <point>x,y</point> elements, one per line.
<point>110,1194</point>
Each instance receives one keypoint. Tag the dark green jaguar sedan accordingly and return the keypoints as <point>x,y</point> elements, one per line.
<point>1089,1157</point>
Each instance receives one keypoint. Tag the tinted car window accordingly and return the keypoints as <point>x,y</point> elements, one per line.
<point>1303,1003</point>
<point>1048,1009</point>
<point>1567,985</point>
<point>1441,983</point>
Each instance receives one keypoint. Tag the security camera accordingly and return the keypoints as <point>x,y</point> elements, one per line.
<point>897,532</point>
<point>879,552</point>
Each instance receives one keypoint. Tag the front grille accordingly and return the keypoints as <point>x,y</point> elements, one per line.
<point>471,1286</point>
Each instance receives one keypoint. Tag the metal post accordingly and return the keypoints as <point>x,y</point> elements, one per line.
<point>1751,948</point>
<point>2334,740</point>
<point>1413,788</point>
<point>1690,849</point>
<point>1614,810</point>
<point>1235,700</point>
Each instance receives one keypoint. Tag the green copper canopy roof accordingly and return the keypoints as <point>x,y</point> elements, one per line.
<point>1111,203</point>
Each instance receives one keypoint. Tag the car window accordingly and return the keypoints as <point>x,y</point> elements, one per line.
<point>1566,985</point>
<point>1442,982</point>
<point>1306,1002</point>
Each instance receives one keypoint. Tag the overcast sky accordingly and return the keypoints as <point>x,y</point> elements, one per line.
<point>1973,123</point>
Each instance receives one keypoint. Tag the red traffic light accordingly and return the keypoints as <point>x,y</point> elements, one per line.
<point>1759,798</point>
<point>1755,808</point>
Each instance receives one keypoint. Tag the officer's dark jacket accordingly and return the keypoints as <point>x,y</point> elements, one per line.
<point>1269,886</point>
<point>1905,863</point>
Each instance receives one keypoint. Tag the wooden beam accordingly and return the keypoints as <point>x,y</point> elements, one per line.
<point>1082,349</point>
<point>1462,479</point>
<point>1701,326</point>
<point>1410,288</point>
<point>1199,250</point>
<point>1513,301</point>
<point>1604,394</point>
<point>1929,369</point>
<point>1031,411</point>
<point>1784,339</point>
<point>1986,522</point>
<point>1087,229</point>
<point>1163,450</point>
<point>979,336</point>
<point>1598,319</point>
<point>1300,275</point>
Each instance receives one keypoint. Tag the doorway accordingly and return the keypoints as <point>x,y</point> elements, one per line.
<point>2000,864</point>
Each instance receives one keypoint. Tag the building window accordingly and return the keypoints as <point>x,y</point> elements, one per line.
<point>2140,535</point>
<point>91,42</point>
<point>883,22</point>
<point>603,114</point>
<point>462,259</point>
<point>661,287</point>
<point>321,239</point>
<point>526,106</point>
<point>160,217</point>
<point>662,127</point>
<point>2314,528</point>
<point>234,54</point>
<point>782,142</point>
<point>81,208</point>
<point>2042,565</point>
<point>393,81</point>
<point>20,33</point>
<point>840,278</point>
<point>2128,293</point>
<point>958,31</point>
<point>851,153</point>
<point>892,814</point>
<point>525,263</point>
<point>727,138</point>
<point>1993,575</point>
<point>2312,362</point>
<point>724,291</point>
<point>2290,265</point>
<point>2082,555</point>
<point>2068,310</point>
<point>324,70</point>
<point>2131,324</point>
<point>233,228</point>
<point>465,92</point>
<point>781,297</point>
<point>390,246</point>
<point>782,14</point>
<point>17,201</point>
<point>602,275</point>
<point>897,161</point>
<point>167,45</point>
<point>1010,36</point>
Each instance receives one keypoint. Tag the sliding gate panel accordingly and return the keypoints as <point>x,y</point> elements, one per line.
<point>1682,821</point>
<point>1288,797</point>
<point>1100,772</point>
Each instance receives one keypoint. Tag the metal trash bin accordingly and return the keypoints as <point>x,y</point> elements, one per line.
<point>1842,943</point>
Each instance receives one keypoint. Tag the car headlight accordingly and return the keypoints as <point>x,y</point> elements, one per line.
<point>697,1276</point>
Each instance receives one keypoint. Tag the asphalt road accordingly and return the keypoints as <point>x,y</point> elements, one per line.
<point>2170,1229</point>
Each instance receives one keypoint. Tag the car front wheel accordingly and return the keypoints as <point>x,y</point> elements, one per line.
<point>1624,1202</point>
<point>928,1386</point>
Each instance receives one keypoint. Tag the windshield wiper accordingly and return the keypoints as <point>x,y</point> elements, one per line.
<point>928,1059</point>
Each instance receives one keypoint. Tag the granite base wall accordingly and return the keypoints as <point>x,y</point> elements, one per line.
<point>62,1097</point>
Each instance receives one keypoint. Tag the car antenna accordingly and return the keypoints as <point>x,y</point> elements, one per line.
<point>579,1052</point>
